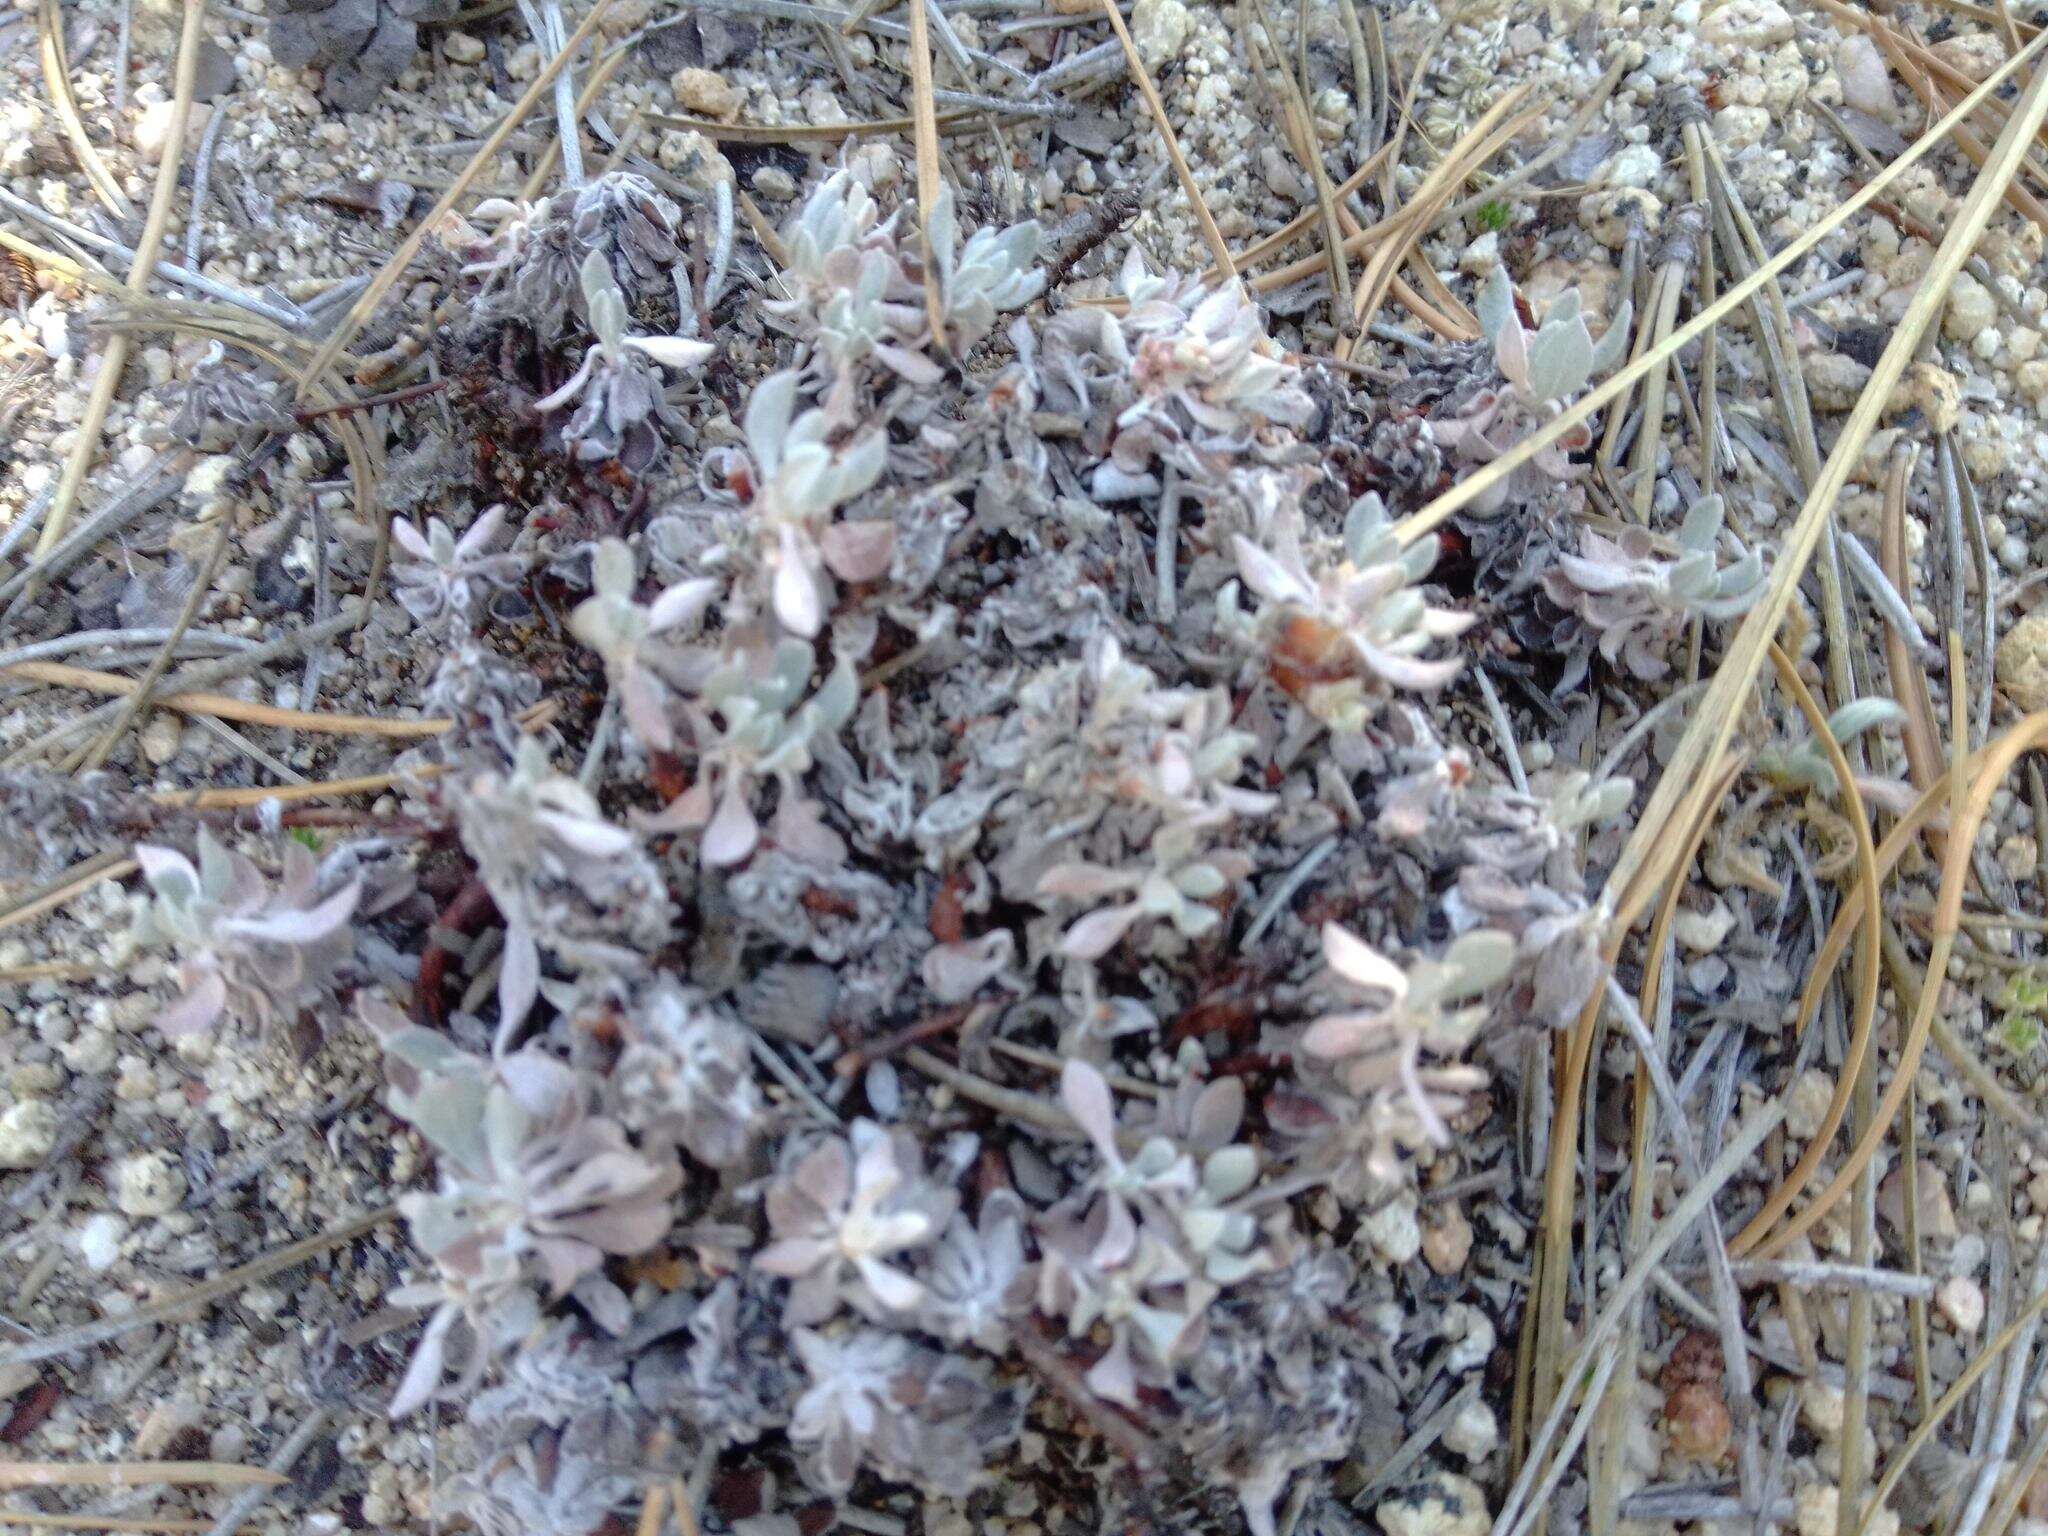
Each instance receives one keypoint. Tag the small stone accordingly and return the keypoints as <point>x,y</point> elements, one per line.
<point>1747,25</point>
<point>1806,1103</point>
<point>1160,29</point>
<point>1816,1507</point>
<point>1934,392</point>
<point>1635,165</point>
<point>2032,379</point>
<point>153,127</point>
<point>160,737</point>
<point>215,71</point>
<point>1741,127</point>
<point>27,1133</point>
<point>1866,80</point>
<point>1820,1405</point>
<point>1393,1231</point>
<point>1703,932</point>
<point>774,183</point>
<point>1474,1431</point>
<point>1442,1504</point>
<point>99,1241</point>
<point>1608,215</point>
<point>1447,1242</point>
<point>149,1184</point>
<point>1472,1337</point>
<point>463,48</point>
<point>1481,255</point>
<point>707,93</point>
<point>1984,455</point>
<point>1971,309</point>
<point>1937,1211</point>
<point>1961,1301</point>
<point>1834,380</point>
<point>167,1420</point>
<point>1696,1421</point>
<point>1975,54</point>
<point>2021,663</point>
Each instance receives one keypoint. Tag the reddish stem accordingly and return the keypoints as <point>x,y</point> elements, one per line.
<point>471,906</point>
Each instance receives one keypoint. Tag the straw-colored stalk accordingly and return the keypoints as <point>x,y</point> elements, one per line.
<point>115,359</point>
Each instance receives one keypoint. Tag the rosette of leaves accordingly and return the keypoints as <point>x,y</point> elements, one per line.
<point>913,1414</point>
<point>619,383</point>
<point>1431,1005</point>
<point>687,1075</point>
<point>241,942</point>
<point>621,217</point>
<point>1542,370</point>
<point>444,576</point>
<point>533,1187</point>
<point>746,726</point>
<point>1178,889</point>
<point>530,266</point>
<point>995,272</point>
<point>1806,766</point>
<point>1638,603</point>
<point>627,634</point>
<point>847,289</point>
<point>800,480</point>
<point>1333,624</point>
<point>1183,365</point>
<point>841,1213</point>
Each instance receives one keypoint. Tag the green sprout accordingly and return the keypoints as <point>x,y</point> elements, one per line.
<point>2025,1002</point>
<point>307,836</point>
<point>1492,215</point>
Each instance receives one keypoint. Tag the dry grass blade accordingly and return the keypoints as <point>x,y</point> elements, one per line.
<point>82,876</point>
<point>57,80</point>
<point>330,789</point>
<point>1994,763</point>
<point>924,119</point>
<point>1908,678</point>
<point>1642,860</point>
<point>1615,1311</point>
<point>172,1308</point>
<point>387,277</point>
<point>1469,489</point>
<point>1298,226</point>
<point>91,757</point>
<point>544,168</point>
<point>134,1474</point>
<point>86,445</point>
<point>1219,249</point>
<point>957,122</point>
<point>1299,127</point>
<point>141,1525</point>
<point>1481,143</point>
<point>1930,1425</point>
<point>224,707</point>
<point>1863,1023</point>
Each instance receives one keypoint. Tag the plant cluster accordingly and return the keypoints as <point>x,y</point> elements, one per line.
<point>935,747</point>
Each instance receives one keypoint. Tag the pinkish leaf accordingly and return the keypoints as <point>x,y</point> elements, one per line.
<point>206,995</point>
<point>1359,963</point>
<point>429,1357</point>
<point>1083,881</point>
<point>859,551</point>
<point>1096,934</point>
<point>1085,1092</point>
<point>733,832</point>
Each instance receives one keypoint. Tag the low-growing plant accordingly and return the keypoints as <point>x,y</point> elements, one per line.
<point>242,944</point>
